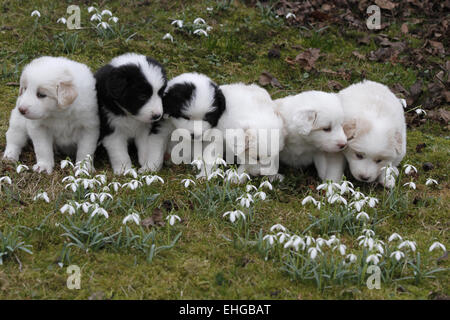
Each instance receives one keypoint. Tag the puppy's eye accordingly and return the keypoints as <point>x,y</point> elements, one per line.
<point>378,160</point>
<point>40,95</point>
<point>359,156</point>
<point>143,97</point>
<point>328,129</point>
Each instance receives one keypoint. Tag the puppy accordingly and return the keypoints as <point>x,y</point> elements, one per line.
<point>129,91</point>
<point>314,134</point>
<point>57,106</point>
<point>374,123</point>
<point>228,117</point>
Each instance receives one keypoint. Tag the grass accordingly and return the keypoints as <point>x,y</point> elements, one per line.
<point>211,258</point>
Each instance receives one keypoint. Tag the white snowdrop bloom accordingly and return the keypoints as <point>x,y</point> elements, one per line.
<point>101,178</point>
<point>132,185</point>
<point>114,19</point>
<point>199,21</point>
<point>65,163</point>
<point>61,20</point>
<point>179,23</point>
<point>132,217</point>
<point>115,185</point>
<point>333,240</point>
<point>36,13</point>
<point>197,163</point>
<point>261,195</point>
<point>43,196</point>
<point>342,248</point>
<point>104,25</point>
<point>358,205</point>
<point>409,168</point>
<point>131,172</point>
<point>244,177</point>
<point>96,17</point>
<point>371,201</point>
<point>358,195</point>
<point>294,242</point>
<point>320,242</point>
<point>330,188</point>
<point>367,242</point>
<point>90,9</point>
<point>5,179</point>
<point>86,206</point>
<point>290,15</point>
<point>313,252</point>
<point>209,9</point>
<point>106,12</point>
<point>234,215</point>
<point>245,200</point>
<point>373,258</point>
<point>168,36</point>
<point>438,245</point>
<point>103,196</point>
<point>266,184</point>
<point>152,178</point>
<point>208,28</point>
<point>337,198</point>
<point>395,236</point>
<point>81,171</point>
<point>187,182</point>
<point>351,258</point>
<point>346,187</point>
<point>309,240</point>
<point>368,232</point>
<point>420,111</point>
<point>390,171</point>
<point>282,236</point>
<point>219,162</point>
<point>362,216</point>
<point>271,238</point>
<point>92,196</point>
<point>173,218</point>
<point>201,32</point>
<point>231,175</point>
<point>100,210</point>
<point>379,247</point>
<point>250,187</point>
<point>276,227</point>
<point>408,244</point>
<point>22,167</point>
<point>72,186</point>
<point>215,174</point>
<point>398,255</point>
<point>309,199</point>
<point>431,182</point>
<point>411,185</point>
<point>67,208</point>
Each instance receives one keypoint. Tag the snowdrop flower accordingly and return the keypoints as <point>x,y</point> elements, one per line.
<point>132,172</point>
<point>294,242</point>
<point>67,208</point>
<point>346,186</point>
<point>330,187</point>
<point>113,19</point>
<point>115,185</point>
<point>61,20</point>
<point>132,217</point>
<point>92,196</point>
<point>368,232</point>
<point>100,210</point>
<point>5,179</point>
<point>101,178</point>
<point>358,205</point>
<point>152,178</point>
<point>90,9</point>
<point>309,240</point>
<point>409,244</point>
<point>168,36</point>
<point>320,242</point>
<point>430,182</point>
<point>371,201</point>
<point>290,15</point>
<point>220,162</point>
<point>373,258</point>
<point>197,163</point>
<point>362,216</point>
<point>199,21</point>
<point>72,186</point>
<point>261,195</point>
<point>366,242</point>
<point>270,238</point>
<point>173,218</point>
<point>104,25</point>
<point>409,168</point>
<point>200,32</point>
<point>215,174</point>
<point>398,255</point>
<point>332,240</point>
<point>379,247</point>
<point>250,187</point>
<point>277,227</point>
<point>179,23</point>
<point>245,200</point>
<point>342,248</point>
<point>358,195</point>
<point>266,184</point>
<point>420,111</point>
<point>132,185</point>
<point>36,13</point>
<point>106,12</point>
<point>21,167</point>
<point>337,198</point>
<point>395,236</point>
<point>351,258</point>
<point>103,196</point>
<point>437,245</point>
<point>411,185</point>
<point>95,17</point>
<point>65,163</point>
<point>85,206</point>
<point>282,236</point>
<point>43,196</point>
<point>313,251</point>
<point>81,171</point>
<point>209,9</point>
<point>187,182</point>
<point>208,28</point>
<point>234,215</point>
<point>309,199</point>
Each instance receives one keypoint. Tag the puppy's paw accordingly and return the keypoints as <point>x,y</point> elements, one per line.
<point>150,167</point>
<point>10,156</point>
<point>42,167</point>
<point>276,177</point>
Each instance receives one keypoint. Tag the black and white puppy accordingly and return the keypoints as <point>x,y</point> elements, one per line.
<point>129,92</point>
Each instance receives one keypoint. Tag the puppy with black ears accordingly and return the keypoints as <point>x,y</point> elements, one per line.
<point>129,91</point>
<point>56,107</point>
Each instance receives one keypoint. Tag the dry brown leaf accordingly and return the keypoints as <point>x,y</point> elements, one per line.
<point>155,220</point>
<point>266,78</point>
<point>308,58</point>
<point>385,4</point>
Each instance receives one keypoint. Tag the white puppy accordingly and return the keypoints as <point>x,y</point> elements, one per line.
<point>57,106</point>
<point>376,131</point>
<point>313,121</point>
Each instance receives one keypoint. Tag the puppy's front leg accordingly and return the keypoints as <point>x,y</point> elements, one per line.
<point>151,150</point>
<point>117,147</point>
<point>43,148</point>
<point>87,145</point>
<point>16,136</point>
<point>329,166</point>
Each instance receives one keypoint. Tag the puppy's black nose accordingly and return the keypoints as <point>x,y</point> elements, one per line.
<point>156,117</point>
<point>364,178</point>
<point>342,145</point>
<point>23,110</point>
<point>192,136</point>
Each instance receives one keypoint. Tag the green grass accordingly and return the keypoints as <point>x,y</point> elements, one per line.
<point>203,263</point>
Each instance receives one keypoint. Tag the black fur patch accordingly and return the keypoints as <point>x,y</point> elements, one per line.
<point>219,105</point>
<point>177,99</point>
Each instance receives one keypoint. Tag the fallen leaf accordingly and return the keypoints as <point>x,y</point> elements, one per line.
<point>334,85</point>
<point>385,4</point>
<point>359,55</point>
<point>266,78</point>
<point>155,220</point>
<point>404,28</point>
<point>308,58</point>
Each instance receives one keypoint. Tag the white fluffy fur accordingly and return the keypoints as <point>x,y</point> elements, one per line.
<point>67,117</point>
<point>376,130</point>
<point>313,122</point>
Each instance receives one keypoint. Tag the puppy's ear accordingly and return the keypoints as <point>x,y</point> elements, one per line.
<point>65,91</point>
<point>356,127</point>
<point>350,128</point>
<point>116,83</point>
<point>305,120</point>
